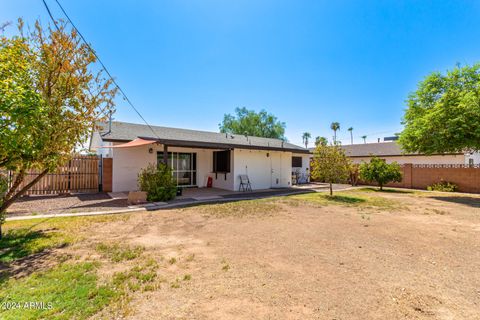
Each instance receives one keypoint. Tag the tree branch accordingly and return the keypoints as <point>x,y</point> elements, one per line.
<point>8,202</point>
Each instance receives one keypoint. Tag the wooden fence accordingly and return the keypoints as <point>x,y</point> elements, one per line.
<point>80,174</point>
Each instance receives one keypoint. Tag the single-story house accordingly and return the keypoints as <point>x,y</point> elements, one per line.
<point>391,151</point>
<point>194,156</point>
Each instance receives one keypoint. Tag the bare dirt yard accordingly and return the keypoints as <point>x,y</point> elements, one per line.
<point>361,254</point>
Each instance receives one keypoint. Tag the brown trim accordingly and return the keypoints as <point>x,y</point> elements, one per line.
<point>115,140</point>
<point>213,145</point>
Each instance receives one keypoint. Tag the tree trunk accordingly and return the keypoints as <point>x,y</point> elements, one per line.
<point>331,190</point>
<point>11,196</point>
<point>381,186</point>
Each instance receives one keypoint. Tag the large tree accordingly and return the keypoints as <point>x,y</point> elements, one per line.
<point>330,165</point>
<point>443,114</point>
<point>51,96</point>
<point>249,122</point>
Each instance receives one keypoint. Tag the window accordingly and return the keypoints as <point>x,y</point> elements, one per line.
<point>470,162</point>
<point>221,161</point>
<point>184,167</point>
<point>296,162</point>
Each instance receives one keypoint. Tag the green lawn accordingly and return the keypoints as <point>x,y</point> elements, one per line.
<point>68,291</point>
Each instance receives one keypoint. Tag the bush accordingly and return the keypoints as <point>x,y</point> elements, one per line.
<point>443,186</point>
<point>157,182</point>
<point>377,170</point>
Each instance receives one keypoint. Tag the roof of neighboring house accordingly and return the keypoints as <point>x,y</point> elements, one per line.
<point>376,149</point>
<point>123,132</point>
<point>380,149</point>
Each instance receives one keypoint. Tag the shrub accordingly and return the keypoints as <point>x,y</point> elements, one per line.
<point>157,182</point>
<point>444,186</point>
<point>377,170</point>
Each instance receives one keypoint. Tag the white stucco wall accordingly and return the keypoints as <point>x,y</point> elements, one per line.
<point>436,159</point>
<point>262,170</point>
<point>127,163</point>
<point>96,143</point>
<point>475,156</point>
<point>304,171</point>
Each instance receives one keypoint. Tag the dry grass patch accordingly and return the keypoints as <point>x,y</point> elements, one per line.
<point>259,208</point>
<point>352,198</point>
<point>116,252</point>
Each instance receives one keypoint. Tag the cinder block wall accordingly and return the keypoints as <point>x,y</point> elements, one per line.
<point>420,176</point>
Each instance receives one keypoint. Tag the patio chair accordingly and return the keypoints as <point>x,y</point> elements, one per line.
<point>244,183</point>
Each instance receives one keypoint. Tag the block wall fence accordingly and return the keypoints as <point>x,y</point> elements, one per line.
<point>420,176</point>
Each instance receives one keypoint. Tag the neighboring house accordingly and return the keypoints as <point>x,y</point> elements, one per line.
<point>196,155</point>
<point>391,151</point>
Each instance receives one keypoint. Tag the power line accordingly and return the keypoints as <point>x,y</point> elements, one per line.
<point>99,60</point>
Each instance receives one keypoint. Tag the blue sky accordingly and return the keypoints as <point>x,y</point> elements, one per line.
<point>186,63</point>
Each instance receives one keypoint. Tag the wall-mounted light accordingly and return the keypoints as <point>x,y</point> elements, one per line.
<point>150,150</point>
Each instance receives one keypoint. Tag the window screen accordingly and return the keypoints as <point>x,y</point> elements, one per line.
<point>296,162</point>
<point>221,161</point>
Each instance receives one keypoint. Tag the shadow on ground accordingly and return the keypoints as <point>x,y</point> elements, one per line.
<point>24,251</point>
<point>371,189</point>
<point>468,201</point>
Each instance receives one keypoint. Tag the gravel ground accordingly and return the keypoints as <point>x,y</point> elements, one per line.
<point>65,204</point>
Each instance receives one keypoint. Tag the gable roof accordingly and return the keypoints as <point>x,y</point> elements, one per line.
<point>380,149</point>
<point>124,132</point>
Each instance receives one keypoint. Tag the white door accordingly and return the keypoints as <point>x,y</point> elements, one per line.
<point>276,170</point>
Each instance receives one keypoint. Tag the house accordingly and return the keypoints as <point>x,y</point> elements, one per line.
<point>195,156</point>
<point>391,151</point>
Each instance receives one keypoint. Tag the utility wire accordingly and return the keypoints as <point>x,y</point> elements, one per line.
<point>99,60</point>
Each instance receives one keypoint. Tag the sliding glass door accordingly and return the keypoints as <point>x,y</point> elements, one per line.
<point>184,166</point>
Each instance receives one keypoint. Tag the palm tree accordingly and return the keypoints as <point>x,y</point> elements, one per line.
<point>364,139</point>
<point>305,137</point>
<point>322,141</point>
<point>351,134</point>
<point>335,126</point>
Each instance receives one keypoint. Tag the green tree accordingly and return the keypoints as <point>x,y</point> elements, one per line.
<point>330,165</point>
<point>335,126</point>
<point>364,139</point>
<point>305,137</point>
<point>50,99</point>
<point>249,122</point>
<point>321,141</point>
<point>443,114</point>
<point>377,170</point>
<point>351,134</point>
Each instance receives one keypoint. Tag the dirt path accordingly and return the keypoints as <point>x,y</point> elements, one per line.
<point>313,263</point>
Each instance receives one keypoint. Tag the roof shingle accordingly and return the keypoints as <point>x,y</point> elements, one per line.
<point>123,131</point>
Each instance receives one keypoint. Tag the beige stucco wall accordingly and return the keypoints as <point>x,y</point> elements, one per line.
<point>436,159</point>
